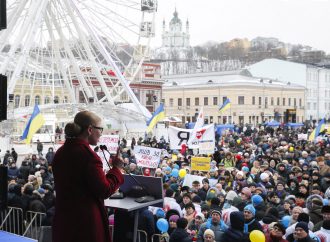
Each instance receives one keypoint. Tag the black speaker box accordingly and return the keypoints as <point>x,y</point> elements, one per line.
<point>3,14</point>
<point>3,187</point>
<point>3,97</point>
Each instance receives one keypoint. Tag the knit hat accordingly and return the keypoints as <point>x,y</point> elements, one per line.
<point>231,195</point>
<point>280,227</point>
<point>216,211</point>
<point>264,176</point>
<point>174,218</point>
<point>303,226</point>
<point>303,217</point>
<point>247,191</point>
<point>160,213</point>
<point>205,180</point>
<point>257,200</point>
<point>250,208</point>
<point>196,199</point>
<point>209,232</point>
<point>201,215</point>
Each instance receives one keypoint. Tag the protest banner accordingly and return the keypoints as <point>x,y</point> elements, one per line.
<point>200,163</point>
<point>189,179</point>
<point>147,157</point>
<point>111,141</point>
<point>178,136</point>
<point>302,136</point>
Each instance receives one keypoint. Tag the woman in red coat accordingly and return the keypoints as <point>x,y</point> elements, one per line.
<point>81,185</point>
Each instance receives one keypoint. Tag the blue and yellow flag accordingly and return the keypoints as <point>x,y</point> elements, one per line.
<point>158,115</point>
<point>225,105</point>
<point>34,124</point>
<point>320,127</point>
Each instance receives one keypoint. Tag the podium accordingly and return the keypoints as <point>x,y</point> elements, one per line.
<point>127,210</point>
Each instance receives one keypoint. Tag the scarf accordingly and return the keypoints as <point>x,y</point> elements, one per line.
<point>246,226</point>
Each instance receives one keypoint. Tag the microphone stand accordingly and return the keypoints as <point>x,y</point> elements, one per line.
<point>105,158</point>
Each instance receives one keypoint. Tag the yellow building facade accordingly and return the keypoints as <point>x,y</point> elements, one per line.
<point>253,100</point>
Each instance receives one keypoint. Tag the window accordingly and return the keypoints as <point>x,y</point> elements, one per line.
<point>47,100</point>
<point>283,101</point>
<point>215,101</point>
<point>272,101</point>
<point>187,101</point>
<point>65,100</point>
<point>37,100</point>
<point>295,102</point>
<point>260,101</point>
<point>171,102</point>
<point>300,102</point>
<point>56,99</point>
<point>314,106</point>
<point>253,100</point>
<point>206,101</point>
<point>278,101</point>
<point>240,100</point>
<point>17,100</point>
<point>266,102</point>
<point>289,101</point>
<point>224,99</point>
<point>27,101</point>
<point>308,105</point>
<point>196,101</point>
<point>179,102</point>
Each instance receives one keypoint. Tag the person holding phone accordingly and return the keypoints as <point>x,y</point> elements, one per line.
<point>81,185</point>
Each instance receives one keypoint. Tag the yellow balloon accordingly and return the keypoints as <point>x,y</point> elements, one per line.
<point>291,149</point>
<point>182,173</point>
<point>238,141</point>
<point>257,236</point>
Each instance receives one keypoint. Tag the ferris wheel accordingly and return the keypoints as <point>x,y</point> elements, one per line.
<point>56,52</point>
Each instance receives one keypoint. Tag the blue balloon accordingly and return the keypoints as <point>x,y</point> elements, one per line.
<point>162,225</point>
<point>175,172</point>
<point>325,202</point>
<point>286,221</point>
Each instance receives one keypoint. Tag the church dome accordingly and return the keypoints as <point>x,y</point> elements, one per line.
<point>175,18</point>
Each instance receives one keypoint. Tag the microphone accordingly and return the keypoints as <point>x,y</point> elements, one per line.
<point>102,148</point>
<point>138,191</point>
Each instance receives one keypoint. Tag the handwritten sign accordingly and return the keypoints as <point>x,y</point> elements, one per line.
<point>147,157</point>
<point>200,163</point>
<point>111,141</point>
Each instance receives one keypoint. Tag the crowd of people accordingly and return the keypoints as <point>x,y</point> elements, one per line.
<point>261,179</point>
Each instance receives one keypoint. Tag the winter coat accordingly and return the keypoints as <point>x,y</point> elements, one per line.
<point>180,235</point>
<point>315,215</point>
<point>323,234</point>
<point>81,187</point>
<point>218,232</point>
<point>233,235</point>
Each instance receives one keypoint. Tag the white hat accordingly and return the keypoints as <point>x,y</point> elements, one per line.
<point>201,215</point>
<point>264,176</point>
<point>231,195</point>
<point>209,232</point>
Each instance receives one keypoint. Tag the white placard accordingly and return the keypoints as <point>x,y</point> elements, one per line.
<point>111,141</point>
<point>147,157</point>
<point>302,136</point>
<point>204,135</point>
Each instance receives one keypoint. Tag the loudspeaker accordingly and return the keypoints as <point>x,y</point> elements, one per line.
<point>3,14</point>
<point>3,97</point>
<point>3,187</point>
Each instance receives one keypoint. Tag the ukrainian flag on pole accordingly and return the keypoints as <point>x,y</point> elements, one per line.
<point>158,115</point>
<point>34,124</point>
<point>320,127</point>
<point>225,105</point>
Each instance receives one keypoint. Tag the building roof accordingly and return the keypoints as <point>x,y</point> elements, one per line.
<point>285,71</point>
<point>228,78</point>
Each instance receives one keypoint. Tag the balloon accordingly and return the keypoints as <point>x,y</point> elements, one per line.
<point>238,141</point>
<point>162,225</point>
<point>182,173</point>
<point>257,236</point>
<point>175,172</point>
<point>291,149</point>
<point>286,221</point>
<point>325,202</point>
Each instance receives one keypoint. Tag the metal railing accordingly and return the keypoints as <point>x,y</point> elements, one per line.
<point>12,220</point>
<point>33,224</point>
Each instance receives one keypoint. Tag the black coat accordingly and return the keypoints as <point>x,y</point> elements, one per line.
<point>180,235</point>
<point>233,235</point>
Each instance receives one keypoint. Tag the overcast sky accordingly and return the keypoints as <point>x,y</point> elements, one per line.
<point>293,21</point>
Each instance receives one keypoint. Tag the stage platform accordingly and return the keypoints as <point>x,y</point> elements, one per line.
<point>9,237</point>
